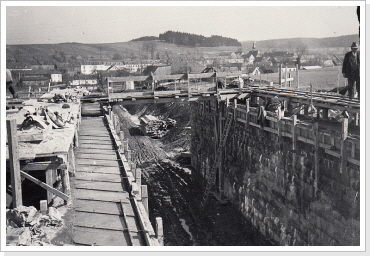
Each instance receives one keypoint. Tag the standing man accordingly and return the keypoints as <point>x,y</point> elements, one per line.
<point>351,70</point>
<point>9,82</point>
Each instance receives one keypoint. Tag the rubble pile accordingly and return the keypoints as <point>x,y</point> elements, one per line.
<point>28,226</point>
<point>65,95</point>
<point>155,127</point>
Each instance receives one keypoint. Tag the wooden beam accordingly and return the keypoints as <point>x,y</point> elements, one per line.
<point>42,166</point>
<point>138,180</point>
<point>144,197</point>
<point>159,230</point>
<point>66,183</point>
<point>45,186</point>
<point>316,152</point>
<point>49,182</point>
<point>343,145</point>
<point>14,164</point>
<point>294,134</point>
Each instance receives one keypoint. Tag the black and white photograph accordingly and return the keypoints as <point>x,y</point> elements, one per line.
<point>182,126</point>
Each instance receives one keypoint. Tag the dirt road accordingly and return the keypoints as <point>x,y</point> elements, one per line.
<point>176,197</point>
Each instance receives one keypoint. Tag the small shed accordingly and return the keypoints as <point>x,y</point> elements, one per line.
<point>129,85</point>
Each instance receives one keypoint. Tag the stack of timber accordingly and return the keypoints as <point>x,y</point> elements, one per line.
<point>154,127</point>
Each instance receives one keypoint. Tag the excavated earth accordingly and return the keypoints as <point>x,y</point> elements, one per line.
<point>174,194</point>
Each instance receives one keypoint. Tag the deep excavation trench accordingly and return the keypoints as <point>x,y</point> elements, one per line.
<point>173,194</point>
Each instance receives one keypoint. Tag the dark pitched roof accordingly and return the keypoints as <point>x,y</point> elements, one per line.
<point>35,78</point>
<point>209,70</point>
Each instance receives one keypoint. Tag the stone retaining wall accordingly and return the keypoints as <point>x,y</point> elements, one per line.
<point>274,186</point>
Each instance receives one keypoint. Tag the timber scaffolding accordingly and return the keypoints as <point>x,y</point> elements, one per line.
<point>339,139</point>
<point>109,202</point>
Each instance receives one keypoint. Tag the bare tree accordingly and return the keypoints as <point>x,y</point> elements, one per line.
<point>150,47</point>
<point>302,49</point>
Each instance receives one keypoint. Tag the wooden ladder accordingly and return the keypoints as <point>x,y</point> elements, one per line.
<point>218,156</point>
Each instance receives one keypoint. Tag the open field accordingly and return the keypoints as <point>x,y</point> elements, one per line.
<point>322,79</point>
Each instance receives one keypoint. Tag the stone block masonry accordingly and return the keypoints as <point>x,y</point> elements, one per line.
<point>296,182</point>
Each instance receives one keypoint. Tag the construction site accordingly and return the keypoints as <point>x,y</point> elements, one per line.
<point>197,164</point>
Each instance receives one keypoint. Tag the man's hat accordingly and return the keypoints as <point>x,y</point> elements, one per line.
<point>354,45</point>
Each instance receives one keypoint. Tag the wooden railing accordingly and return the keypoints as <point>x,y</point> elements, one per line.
<point>339,143</point>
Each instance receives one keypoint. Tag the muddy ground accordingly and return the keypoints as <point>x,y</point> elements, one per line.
<point>174,194</point>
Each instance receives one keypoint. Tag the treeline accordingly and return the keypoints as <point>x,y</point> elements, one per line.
<point>193,40</point>
<point>145,38</point>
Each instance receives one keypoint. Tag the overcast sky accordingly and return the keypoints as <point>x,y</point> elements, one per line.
<point>108,24</point>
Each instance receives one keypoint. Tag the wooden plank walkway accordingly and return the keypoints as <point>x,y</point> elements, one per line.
<point>103,212</point>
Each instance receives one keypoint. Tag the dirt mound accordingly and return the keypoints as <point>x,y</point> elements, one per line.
<point>178,138</point>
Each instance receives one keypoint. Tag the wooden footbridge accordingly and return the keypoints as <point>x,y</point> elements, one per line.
<point>104,211</point>
<point>108,202</point>
<point>292,98</point>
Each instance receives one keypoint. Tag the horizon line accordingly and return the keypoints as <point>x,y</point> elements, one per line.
<point>181,32</point>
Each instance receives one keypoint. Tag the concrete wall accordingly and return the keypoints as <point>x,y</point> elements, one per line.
<point>274,185</point>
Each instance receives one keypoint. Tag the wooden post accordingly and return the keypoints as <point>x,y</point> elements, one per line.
<point>144,197</point>
<point>357,119</point>
<point>14,165</point>
<point>279,125</point>
<point>290,82</point>
<point>297,74</point>
<point>247,104</point>
<point>286,76</point>
<point>316,145</point>
<point>294,134</point>
<point>187,72</point>
<point>110,112</point>
<point>66,183</point>
<point>138,180</point>
<point>133,169</point>
<point>49,181</point>
<point>325,113</point>
<point>113,120</point>
<point>318,109</point>
<point>280,73</point>
<point>44,206</point>
<point>75,138</point>
<point>235,107</point>
<point>338,80</point>
<point>71,160</point>
<point>159,230</point>
<point>121,138</point>
<point>125,145</point>
<point>128,156</point>
<point>343,146</point>
<point>216,82</point>
<point>118,125</point>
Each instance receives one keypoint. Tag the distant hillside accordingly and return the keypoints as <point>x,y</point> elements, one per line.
<point>194,40</point>
<point>145,38</point>
<point>77,52</point>
<point>168,52</point>
<point>292,44</point>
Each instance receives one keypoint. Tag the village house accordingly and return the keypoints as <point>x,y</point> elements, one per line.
<point>35,77</point>
<point>69,69</point>
<point>42,67</point>
<point>84,80</point>
<point>34,81</point>
<point>157,70</point>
